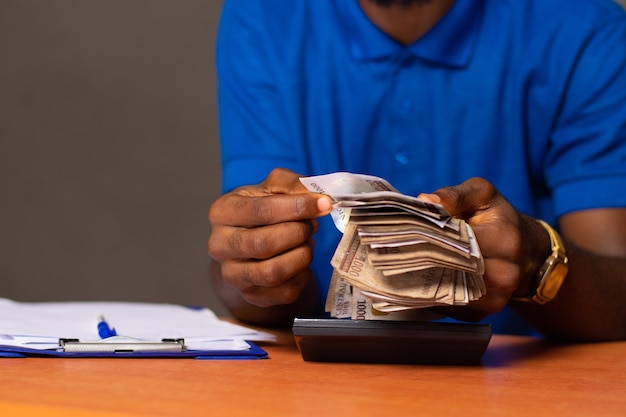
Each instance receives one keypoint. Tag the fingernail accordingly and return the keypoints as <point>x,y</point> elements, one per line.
<point>324,204</point>
<point>433,198</point>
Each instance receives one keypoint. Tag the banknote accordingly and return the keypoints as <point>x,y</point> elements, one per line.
<point>350,190</point>
<point>398,254</point>
<point>346,301</point>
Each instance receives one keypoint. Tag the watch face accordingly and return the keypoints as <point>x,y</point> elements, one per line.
<point>555,275</point>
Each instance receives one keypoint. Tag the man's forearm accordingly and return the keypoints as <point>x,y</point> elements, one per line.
<point>589,306</point>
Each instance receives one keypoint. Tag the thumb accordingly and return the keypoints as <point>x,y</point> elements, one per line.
<point>465,199</point>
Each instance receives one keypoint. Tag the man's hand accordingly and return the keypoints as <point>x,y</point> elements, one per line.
<point>513,245</point>
<point>261,238</point>
<point>589,305</point>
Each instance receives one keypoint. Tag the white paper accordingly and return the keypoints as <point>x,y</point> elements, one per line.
<point>41,325</point>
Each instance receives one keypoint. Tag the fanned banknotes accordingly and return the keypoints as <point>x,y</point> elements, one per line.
<point>398,254</point>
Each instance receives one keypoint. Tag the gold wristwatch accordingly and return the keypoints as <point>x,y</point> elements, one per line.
<point>552,273</point>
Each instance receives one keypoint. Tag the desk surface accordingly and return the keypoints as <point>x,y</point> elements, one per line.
<point>519,377</point>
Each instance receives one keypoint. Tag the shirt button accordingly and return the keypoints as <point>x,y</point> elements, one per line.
<point>402,157</point>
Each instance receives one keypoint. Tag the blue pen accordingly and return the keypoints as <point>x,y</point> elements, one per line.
<point>104,330</point>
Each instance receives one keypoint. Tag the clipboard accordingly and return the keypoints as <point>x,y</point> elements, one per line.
<point>136,330</point>
<point>391,342</point>
<point>167,348</point>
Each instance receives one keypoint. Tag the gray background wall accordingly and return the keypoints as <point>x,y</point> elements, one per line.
<point>108,149</point>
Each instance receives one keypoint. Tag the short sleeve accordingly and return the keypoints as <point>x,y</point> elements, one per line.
<point>253,129</point>
<point>586,162</point>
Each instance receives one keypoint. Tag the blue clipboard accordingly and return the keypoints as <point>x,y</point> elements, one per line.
<point>45,329</point>
<point>71,348</point>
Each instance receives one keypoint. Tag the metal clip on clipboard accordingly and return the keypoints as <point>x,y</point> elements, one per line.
<point>121,345</point>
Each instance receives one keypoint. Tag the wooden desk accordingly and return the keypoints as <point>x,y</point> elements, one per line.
<point>519,377</point>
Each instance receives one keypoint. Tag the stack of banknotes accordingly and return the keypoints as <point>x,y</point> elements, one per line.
<point>398,254</point>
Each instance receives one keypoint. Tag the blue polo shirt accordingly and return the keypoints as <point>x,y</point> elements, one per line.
<point>530,95</point>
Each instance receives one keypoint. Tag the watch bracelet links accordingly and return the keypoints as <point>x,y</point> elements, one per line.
<point>536,294</point>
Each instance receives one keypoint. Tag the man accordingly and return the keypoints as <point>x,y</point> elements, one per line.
<point>514,111</point>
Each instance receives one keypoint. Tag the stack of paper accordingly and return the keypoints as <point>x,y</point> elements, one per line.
<point>40,326</point>
<point>397,252</point>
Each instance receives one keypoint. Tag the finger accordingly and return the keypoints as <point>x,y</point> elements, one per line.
<point>475,310</point>
<point>283,181</point>
<point>272,272</point>
<point>498,238</point>
<point>236,210</point>
<point>260,242</point>
<point>466,199</point>
<point>501,277</point>
<point>287,293</point>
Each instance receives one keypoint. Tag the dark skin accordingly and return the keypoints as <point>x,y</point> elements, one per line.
<point>262,237</point>
<point>261,241</point>
<point>406,23</point>
<point>589,306</point>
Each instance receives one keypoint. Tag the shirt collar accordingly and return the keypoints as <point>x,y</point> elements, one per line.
<point>450,42</point>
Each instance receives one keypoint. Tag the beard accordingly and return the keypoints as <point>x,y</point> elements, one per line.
<point>403,3</point>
